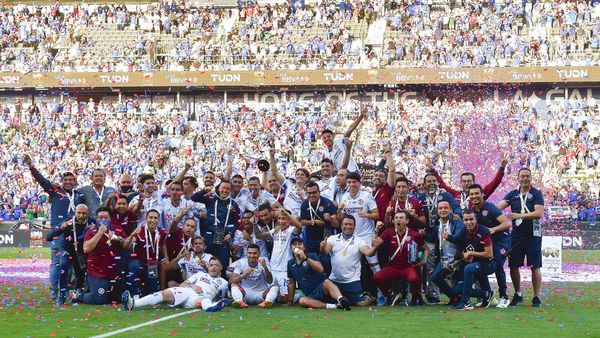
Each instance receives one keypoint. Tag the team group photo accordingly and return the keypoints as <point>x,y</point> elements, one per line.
<point>300,168</point>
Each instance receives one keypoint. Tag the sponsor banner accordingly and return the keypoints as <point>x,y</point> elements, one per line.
<point>23,238</point>
<point>386,76</point>
<point>552,254</point>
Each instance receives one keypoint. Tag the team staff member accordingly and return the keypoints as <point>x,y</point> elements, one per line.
<point>72,255</point>
<point>477,263</point>
<point>102,244</point>
<point>346,250</point>
<point>402,245</point>
<point>221,220</point>
<point>488,215</point>
<point>96,194</point>
<point>143,276</point>
<point>317,215</point>
<point>527,207</point>
<point>63,200</point>
<point>305,269</point>
<point>466,180</point>
<point>384,185</point>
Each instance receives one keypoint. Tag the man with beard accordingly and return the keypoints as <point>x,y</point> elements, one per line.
<point>63,200</point>
<point>198,210</point>
<point>327,183</point>
<point>383,185</point>
<point>171,207</point>
<point>195,260</point>
<point>336,150</point>
<point>198,291</point>
<point>402,201</point>
<point>72,255</point>
<point>294,192</point>
<point>143,276</point>
<point>252,281</point>
<point>221,220</point>
<point>257,196</point>
<point>149,195</point>
<point>178,241</point>
<point>246,236</point>
<point>433,194</point>
<point>97,193</point>
<point>318,216</point>
<point>466,180</point>
<point>488,215</point>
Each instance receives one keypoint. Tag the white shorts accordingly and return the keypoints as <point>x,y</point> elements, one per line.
<point>280,278</point>
<point>184,297</point>
<point>373,259</point>
<point>253,297</point>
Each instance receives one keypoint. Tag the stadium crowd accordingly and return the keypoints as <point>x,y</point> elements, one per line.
<point>175,35</point>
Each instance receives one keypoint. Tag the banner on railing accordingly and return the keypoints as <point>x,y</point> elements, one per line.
<point>294,78</point>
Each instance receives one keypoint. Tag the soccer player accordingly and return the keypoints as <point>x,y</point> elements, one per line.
<point>318,216</point>
<point>346,250</point>
<point>178,243</point>
<point>488,215</point>
<point>282,236</point>
<point>246,236</point>
<point>251,281</point>
<point>362,207</point>
<point>402,247</point>
<point>336,150</point>
<point>305,269</point>
<point>196,260</point>
<point>63,201</point>
<point>149,195</point>
<point>384,184</point>
<point>527,207</point>
<point>477,263</point>
<point>171,207</point>
<point>402,201</point>
<point>257,196</point>
<point>198,291</point>
<point>294,192</point>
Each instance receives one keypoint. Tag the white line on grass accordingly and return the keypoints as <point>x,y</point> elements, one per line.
<point>114,333</point>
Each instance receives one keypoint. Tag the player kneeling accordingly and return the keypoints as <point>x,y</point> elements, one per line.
<point>199,290</point>
<point>251,280</point>
<point>306,269</point>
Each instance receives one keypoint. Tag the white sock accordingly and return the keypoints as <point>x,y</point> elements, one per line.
<point>519,293</point>
<point>236,293</point>
<point>272,294</point>
<point>330,306</point>
<point>206,303</point>
<point>149,300</point>
<point>375,268</point>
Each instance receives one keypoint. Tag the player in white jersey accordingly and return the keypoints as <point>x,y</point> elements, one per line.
<point>171,207</point>
<point>337,150</point>
<point>257,196</point>
<point>246,236</point>
<point>251,281</point>
<point>199,290</point>
<point>197,260</point>
<point>282,236</point>
<point>152,199</point>
<point>362,206</point>
<point>294,192</point>
<point>346,250</point>
<point>328,182</point>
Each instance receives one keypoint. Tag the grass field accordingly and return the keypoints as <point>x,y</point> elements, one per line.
<point>569,310</point>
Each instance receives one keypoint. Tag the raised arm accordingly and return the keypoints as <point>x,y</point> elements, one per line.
<point>346,159</point>
<point>354,125</point>
<point>44,182</point>
<point>489,189</point>
<point>391,175</point>
<point>273,163</point>
<point>181,175</point>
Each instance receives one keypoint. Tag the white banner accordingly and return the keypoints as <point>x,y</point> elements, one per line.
<point>552,255</point>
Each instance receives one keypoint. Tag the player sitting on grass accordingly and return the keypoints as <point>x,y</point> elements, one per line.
<point>251,280</point>
<point>199,290</point>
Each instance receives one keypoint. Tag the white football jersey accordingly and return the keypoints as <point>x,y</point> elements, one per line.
<point>363,201</point>
<point>282,250</point>
<point>256,280</point>
<point>292,201</point>
<point>345,258</point>
<point>168,212</point>
<point>191,265</point>
<point>211,286</point>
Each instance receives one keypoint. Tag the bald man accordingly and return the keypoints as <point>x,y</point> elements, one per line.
<point>126,187</point>
<point>71,256</point>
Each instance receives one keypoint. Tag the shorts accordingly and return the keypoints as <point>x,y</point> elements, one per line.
<point>319,294</point>
<point>184,297</point>
<point>280,278</point>
<point>175,276</point>
<point>253,297</point>
<point>530,247</point>
<point>353,291</point>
